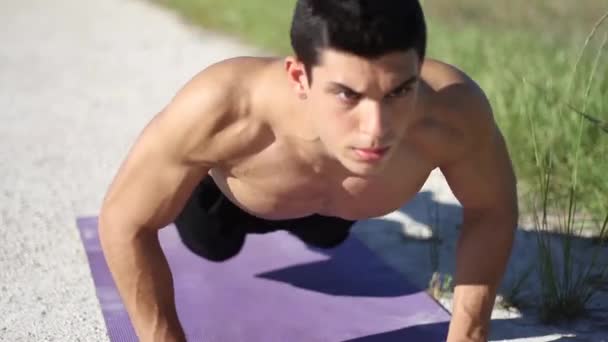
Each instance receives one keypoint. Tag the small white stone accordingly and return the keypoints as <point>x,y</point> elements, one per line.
<point>417,231</point>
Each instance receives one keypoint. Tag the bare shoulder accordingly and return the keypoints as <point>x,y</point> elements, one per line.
<point>478,167</point>
<point>454,90</point>
<point>205,123</point>
<point>209,117</point>
<point>457,102</point>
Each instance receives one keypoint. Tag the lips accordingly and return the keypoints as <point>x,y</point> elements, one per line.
<point>371,154</point>
<point>373,150</point>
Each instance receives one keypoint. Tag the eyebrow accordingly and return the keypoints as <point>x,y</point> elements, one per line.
<point>405,83</point>
<point>339,86</point>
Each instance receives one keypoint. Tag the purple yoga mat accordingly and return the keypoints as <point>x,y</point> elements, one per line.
<point>280,290</point>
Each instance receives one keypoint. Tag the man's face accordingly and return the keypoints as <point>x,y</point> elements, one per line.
<point>361,108</point>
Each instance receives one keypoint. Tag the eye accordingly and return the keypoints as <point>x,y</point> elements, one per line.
<point>348,95</point>
<point>400,92</point>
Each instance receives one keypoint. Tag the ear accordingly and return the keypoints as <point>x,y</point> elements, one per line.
<point>296,74</point>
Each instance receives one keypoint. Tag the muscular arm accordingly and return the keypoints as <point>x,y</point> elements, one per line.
<point>172,154</point>
<point>483,180</point>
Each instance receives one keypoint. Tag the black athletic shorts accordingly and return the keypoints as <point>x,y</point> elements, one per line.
<point>213,227</point>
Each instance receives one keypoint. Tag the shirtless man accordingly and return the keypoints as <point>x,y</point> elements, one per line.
<point>348,128</point>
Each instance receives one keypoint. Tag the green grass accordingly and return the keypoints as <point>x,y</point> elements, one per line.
<point>263,23</point>
<point>567,288</point>
<point>548,88</point>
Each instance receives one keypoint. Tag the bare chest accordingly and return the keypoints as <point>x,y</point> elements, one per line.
<point>276,184</point>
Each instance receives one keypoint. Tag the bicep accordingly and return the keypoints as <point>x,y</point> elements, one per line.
<point>483,178</point>
<point>154,181</point>
<point>175,151</point>
<point>172,154</point>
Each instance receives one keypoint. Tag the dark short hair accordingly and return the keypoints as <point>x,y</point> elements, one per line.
<point>366,28</point>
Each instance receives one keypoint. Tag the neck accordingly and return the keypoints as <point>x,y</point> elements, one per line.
<point>291,120</point>
<point>304,139</point>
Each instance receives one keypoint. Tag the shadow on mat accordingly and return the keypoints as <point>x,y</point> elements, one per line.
<point>435,332</point>
<point>502,329</point>
<point>351,270</point>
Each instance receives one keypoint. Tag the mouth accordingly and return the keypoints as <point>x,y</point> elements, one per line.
<point>371,154</point>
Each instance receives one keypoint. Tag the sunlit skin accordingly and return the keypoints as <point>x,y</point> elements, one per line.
<point>356,141</point>
<point>360,109</point>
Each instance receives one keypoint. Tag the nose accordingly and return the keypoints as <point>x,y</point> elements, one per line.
<point>375,121</point>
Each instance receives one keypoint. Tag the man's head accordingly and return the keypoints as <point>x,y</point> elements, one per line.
<point>356,66</point>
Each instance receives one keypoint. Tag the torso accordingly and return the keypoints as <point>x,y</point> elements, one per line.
<point>276,182</point>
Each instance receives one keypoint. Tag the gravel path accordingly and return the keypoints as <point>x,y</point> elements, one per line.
<point>78,81</point>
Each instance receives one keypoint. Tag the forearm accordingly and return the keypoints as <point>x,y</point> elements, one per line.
<point>143,279</point>
<point>482,255</point>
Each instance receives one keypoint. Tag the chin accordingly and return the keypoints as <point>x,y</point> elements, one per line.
<point>361,169</point>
